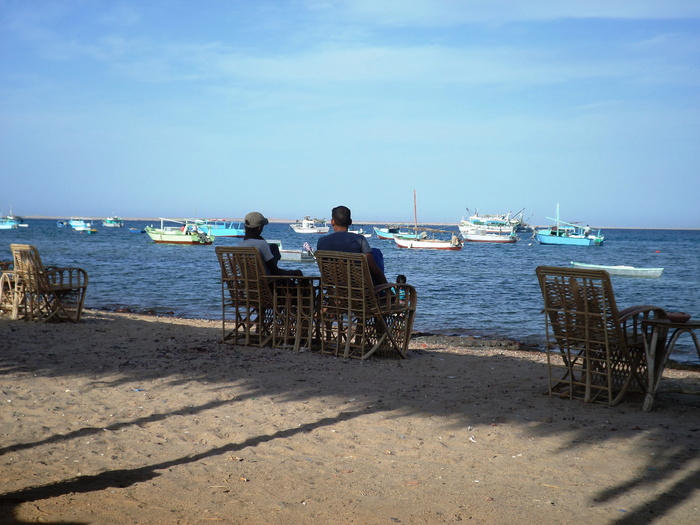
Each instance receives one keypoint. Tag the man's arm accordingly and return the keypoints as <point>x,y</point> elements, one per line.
<point>375,270</point>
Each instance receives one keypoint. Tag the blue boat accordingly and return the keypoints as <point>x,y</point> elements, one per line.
<point>220,228</point>
<point>392,229</point>
<point>568,234</point>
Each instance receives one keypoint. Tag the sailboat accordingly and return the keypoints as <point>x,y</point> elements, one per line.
<point>423,240</point>
<point>568,234</point>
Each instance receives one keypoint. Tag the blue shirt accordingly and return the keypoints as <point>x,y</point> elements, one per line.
<point>344,242</point>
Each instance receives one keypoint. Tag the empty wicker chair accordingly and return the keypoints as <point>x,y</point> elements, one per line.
<point>358,319</point>
<point>44,292</point>
<point>594,352</point>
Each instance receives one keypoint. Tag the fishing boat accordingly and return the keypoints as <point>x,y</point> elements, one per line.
<point>81,225</point>
<point>568,234</point>
<point>429,243</point>
<point>304,255</point>
<point>391,230</point>
<point>425,240</point>
<point>309,225</point>
<point>220,228</point>
<point>113,222</point>
<point>627,271</point>
<point>11,222</point>
<point>362,232</point>
<point>476,234</point>
<point>186,232</point>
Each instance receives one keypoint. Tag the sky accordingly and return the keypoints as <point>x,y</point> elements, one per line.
<point>214,108</point>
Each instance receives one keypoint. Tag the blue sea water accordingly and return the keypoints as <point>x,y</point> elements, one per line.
<point>483,290</point>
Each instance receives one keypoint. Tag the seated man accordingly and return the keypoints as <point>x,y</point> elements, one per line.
<point>254,224</point>
<point>341,240</point>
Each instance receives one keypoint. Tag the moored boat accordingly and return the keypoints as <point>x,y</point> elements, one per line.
<point>362,232</point>
<point>507,236</point>
<point>423,240</point>
<point>11,222</point>
<point>428,243</point>
<point>81,225</point>
<point>621,269</point>
<point>186,232</point>
<point>392,229</point>
<point>304,255</point>
<point>113,222</point>
<point>221,228</point>
<point>568,234</point>
<point>490,228</point>
<point>309,225</point>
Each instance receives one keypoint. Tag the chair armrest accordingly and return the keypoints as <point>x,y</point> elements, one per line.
<point>632,320</point>
<point>395,297</point>
<point>66,278</point>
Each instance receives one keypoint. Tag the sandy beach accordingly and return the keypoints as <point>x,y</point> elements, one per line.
<point>125,418</point>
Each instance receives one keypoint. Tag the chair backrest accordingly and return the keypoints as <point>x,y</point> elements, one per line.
<point>346,282</point>
<point>580,305</point>
<point>243,275</point>
<point>28,267</point>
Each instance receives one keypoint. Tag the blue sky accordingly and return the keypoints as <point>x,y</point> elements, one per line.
<point>215,108</point>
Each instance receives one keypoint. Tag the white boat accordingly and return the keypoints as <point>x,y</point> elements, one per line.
<point>507,236</point>
<point>429,243</point>
<point>186,232</point>
<point>361,232</point>
<point>490,228</point>
<point>113,222</point>
<point>304,255</point>
<point>423,240</point>
<point>309,225</point>
<point>628,271</point>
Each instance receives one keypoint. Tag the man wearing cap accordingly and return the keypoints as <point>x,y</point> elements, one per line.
<point>254,224</point>
<point>341,240</point>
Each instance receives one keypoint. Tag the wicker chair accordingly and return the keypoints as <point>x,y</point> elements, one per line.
<point>358,319</point>
<point>263,310</point>
<point>38,292</point>
<point>594,352</point>
<point>246,295</point>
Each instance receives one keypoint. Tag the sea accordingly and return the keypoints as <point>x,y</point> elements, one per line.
<point>484,290</point>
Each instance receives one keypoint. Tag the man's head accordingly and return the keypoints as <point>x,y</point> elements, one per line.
<point>341,216</point>
<point>255,220</point>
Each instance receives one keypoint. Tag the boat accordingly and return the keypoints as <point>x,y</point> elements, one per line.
<point>187,232</point>
<point>136,230</point>
<point>221,228</point>
<point>627,271</point>
<point>568,234</point>
<point>309,225</point>
<point>506,236</point>
<point>81,225</point>
<point>423,240</point>
<point>304,255</point>
<point>362,232</point>
<point>113,222</point>
<point>429,243</point>
<point>11,222</point>
<point>62,224</point>
<point>391,230</point>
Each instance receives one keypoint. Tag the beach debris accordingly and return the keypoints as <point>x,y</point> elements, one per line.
<point>472,439</point>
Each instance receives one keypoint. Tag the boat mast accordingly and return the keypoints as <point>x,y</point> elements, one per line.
<point>415,213</point>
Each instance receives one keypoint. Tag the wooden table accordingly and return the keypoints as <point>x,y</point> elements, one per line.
<point>656,361</point>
